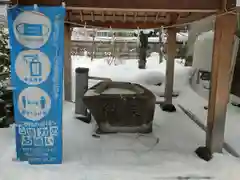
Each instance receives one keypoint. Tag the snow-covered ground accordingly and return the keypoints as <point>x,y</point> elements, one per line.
<point>232,134</point>
<point>127,70</point>
<point>167,153</point>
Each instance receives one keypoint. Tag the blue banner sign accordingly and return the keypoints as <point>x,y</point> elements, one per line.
<point>37,46</point>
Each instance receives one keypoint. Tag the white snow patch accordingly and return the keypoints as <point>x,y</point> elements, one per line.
<point>117,91</point>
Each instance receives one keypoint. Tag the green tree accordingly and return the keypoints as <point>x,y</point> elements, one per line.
<point>4,51</point>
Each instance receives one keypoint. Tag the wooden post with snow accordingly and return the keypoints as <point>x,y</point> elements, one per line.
<point>67,63</point>
<point>169,80</point>
<point>225,27</point>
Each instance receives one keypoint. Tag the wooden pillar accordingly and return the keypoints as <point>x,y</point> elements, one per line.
<point>67,64</point>
<point>169,80</point>
<point>225,27</point>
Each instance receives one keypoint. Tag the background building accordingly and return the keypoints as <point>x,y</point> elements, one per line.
<point>124,42</point>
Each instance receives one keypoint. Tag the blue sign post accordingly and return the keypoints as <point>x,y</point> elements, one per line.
<point>37,46</point>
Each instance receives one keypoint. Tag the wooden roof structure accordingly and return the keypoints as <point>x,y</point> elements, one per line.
<point>132,14</point>
<point>135,14</point>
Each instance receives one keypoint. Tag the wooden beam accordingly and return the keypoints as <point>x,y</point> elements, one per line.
<point>166,5</point>
<point>120,18</point>
<point>126,25</point>
<point>163,5</point>
<point>67,64</point>
<point>39,2</point>
<point>110,21</point>
<point>143,10</point>
<point>225,27</point>
<point>133,20</point>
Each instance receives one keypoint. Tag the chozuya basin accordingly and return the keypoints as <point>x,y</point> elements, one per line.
<point>121,107</point>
